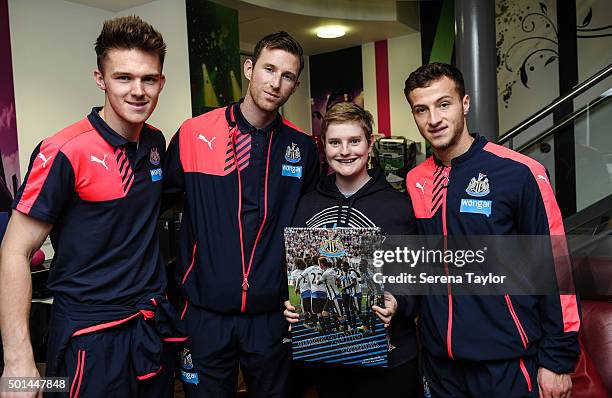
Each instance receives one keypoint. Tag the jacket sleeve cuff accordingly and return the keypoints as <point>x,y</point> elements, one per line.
<point>406,305</point>
<point>559,355</point>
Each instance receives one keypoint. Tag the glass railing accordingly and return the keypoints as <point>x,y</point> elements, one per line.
<point>576,149</point>
<point>588,165</point>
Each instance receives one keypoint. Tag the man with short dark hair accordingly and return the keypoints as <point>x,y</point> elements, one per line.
<point>486,346</point>
<point>95,188</point>
<point>243,169</point>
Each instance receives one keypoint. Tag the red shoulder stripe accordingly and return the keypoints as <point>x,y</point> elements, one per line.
<point>569,305</point>
<point>203,143</point>
<point>45,157</point>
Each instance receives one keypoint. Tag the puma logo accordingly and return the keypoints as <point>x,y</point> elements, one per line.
<point>541,177</point>
<point>42,157</point>
<point>421,187</point>
<point>102,162</point>
<point>201,137</point>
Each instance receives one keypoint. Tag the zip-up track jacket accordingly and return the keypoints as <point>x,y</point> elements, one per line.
<point>521,202</point>
<point>216,271</point>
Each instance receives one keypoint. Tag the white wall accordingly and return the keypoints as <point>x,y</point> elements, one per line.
<point>368,66</point>
<point>404,57</point>
<point>297,108</point>
<point>53,63</point>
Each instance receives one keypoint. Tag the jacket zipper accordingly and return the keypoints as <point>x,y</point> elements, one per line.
<point>449,326</point>
<point>246,270</point>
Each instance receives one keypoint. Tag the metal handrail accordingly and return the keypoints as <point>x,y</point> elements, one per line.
<point>542,113</point>
<point>594,239</point>
<point>562,123</point>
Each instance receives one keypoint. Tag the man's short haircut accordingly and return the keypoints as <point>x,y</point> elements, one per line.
<point>280,41</point>
<point>424,75</point>
<point>346,112</point>
<point>129,33</point>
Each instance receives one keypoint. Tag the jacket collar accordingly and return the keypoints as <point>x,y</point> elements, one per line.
<point>235,118</point>
<point>478,143</point>
<point>110,135</point>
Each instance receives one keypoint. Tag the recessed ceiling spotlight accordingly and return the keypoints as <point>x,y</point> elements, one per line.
<point>330,31</point>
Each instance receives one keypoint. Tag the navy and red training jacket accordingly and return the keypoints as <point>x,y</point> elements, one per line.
<point>521,202</point>
<point>220,269</point>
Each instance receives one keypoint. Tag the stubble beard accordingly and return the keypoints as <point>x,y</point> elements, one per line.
<point>259,100</point>
<point>452,142</point>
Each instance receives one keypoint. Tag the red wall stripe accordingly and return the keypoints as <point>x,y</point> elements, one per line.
<point>382,87</point>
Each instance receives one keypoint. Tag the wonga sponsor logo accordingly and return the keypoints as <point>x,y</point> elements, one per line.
<point>292,171</point>
<point>189,377</point>
<point>477,206</point>
<point>156,174</point>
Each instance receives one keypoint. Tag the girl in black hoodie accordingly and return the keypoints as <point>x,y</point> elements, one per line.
<point>358,198</point>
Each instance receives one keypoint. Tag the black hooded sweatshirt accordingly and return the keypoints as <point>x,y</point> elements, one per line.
<point>376,204</point>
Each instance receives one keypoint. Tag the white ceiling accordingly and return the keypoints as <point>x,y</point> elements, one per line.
<point>367,20</point>
<point>112,5</point>
<point>369,10</point>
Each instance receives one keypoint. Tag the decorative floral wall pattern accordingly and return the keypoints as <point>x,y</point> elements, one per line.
<point>586,31</point>
<point>527,39</point>
<point>594,32</point>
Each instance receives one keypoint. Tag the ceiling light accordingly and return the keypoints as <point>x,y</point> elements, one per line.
<point>331,31</point>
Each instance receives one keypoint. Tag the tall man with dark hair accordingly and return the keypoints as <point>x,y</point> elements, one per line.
<point>524,346</point>
<point>95,188</point>
<point>243,169</point>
